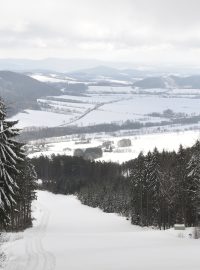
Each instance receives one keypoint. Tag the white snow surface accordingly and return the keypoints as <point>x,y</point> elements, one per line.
<point>34,118</point>
<point>69,235</point>
<point>52,78</point>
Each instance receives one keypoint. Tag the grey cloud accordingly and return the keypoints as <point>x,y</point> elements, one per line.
<point>78,26</point>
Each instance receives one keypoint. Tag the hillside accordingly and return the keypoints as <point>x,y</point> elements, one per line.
<point>21,92</point>
<point>188,82</point>
<point>106,74</point>
<point>152,82</point>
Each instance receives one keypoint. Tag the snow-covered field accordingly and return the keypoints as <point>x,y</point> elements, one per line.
<point>105,104</point>
<point>167,140</point>
<point>110,89</point>
<point>34,118</point>
<point>51,78</point>
<point>69,235</point>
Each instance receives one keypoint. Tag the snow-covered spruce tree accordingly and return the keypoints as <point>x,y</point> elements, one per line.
<point>194,182</point>
<point>181,188</point>
<point>11,166</point>
<point>153,188</point>
<point>137,188</point>
<point>26,181</point>
<point>8,169</point>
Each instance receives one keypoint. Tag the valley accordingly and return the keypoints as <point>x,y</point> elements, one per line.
<point>149,117</point>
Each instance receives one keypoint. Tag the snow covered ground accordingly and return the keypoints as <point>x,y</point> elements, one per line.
<point>69,235</point>
<point>147,142</point>
<point>51,78</point>
<point>106,104</point>
<point>34,118</point>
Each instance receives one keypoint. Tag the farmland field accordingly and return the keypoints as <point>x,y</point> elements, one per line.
<point>102,104</point>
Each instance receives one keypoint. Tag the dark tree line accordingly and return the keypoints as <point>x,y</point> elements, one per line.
<point>67,175</point>
<point>17,178</point>
<point>40,133</point>
<point>159,189</point>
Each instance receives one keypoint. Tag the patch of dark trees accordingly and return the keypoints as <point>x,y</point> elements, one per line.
<point>70,88</point>
<point>157,189</point>
<point>170,114</point>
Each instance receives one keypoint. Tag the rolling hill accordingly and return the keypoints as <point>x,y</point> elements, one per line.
<point>21,92</point>
<point>165,82</point>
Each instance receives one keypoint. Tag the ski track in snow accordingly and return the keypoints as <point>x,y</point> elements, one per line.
<point>69,235</point>
<point>36,257</point>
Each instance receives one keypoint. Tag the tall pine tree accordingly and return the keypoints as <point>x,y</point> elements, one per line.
<point>17,177</point>
<point>194,181</point>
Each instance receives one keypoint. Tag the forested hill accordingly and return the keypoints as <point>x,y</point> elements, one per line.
<point>158,189</point>
<point>168,82</point>
<point>21,92</point>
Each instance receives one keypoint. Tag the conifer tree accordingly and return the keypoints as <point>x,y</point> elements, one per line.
<point>26,181</point>
<point>153,185</point>
<point>138,185</point>
<point>10,156</point>
<point>194,181</point>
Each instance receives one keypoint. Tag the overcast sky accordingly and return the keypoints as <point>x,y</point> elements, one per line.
<point>146,31</point>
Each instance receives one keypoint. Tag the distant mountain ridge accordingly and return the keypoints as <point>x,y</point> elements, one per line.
<point>106,73</point>
<point>139,78</point>
<point>55,64</point>
<point>75,64</point>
